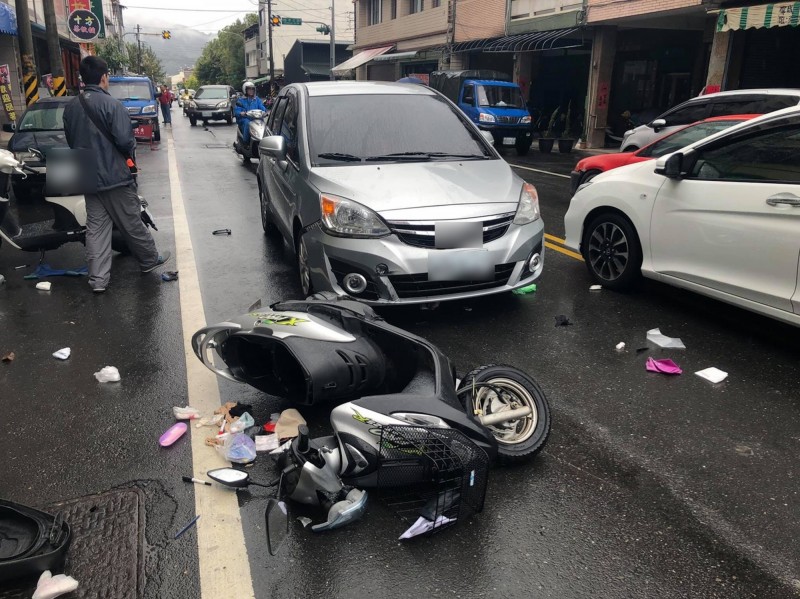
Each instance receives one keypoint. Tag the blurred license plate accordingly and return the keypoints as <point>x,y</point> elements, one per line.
<point>509,141</point>
<point>206,113</point>
<point>460,265</point>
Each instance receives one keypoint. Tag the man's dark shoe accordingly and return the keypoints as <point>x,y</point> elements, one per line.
<point>162,259</point>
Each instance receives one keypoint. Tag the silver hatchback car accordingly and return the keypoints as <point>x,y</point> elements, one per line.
<point>390,195</point>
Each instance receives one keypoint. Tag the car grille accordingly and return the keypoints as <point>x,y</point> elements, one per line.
<point>421,233</point>
<point>134,110</point>
<point>509,120</point>
<point>412,286</point>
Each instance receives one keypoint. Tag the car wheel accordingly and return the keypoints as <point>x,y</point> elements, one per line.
<point>303,268</point>
<point>192,121</point>
<point>588,176</point>
<point>266,214</point>
<point>612,251</point>
<point>229,118</point>
<point>630,149</point>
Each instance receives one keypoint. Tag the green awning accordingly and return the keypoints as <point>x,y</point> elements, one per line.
<point>261,79</point>
<point>320,70</point>
<point>779,14</point>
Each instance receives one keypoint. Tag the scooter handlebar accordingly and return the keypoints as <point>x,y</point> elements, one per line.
<point>302,438</point>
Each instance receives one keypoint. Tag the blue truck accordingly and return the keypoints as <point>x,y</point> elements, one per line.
<point>491,101</point>
<point>140,96</point>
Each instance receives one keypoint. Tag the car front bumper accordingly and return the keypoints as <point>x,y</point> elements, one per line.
<point>574,181</point>
<point>406,282</point>
<point>214,114</point>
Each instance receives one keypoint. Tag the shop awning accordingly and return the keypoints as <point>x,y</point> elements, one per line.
<point>360,59</point>
<point>261,79</point>
<point>779,14</point>
<point>8,20</point>
<point>395,56</point>
<point>317,70</point>
<point>524,42</point>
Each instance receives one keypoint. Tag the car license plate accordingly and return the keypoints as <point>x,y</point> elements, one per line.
<point>449,235</point>
<point>460,265</point>
<point>509,141</point>
<point>206,113</point>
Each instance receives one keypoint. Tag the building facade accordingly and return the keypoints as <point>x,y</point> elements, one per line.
<point>252,52</point>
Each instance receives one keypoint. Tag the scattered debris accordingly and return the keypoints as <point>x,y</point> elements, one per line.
<point>188,526</point>
<point>642,349</point>
<point>744,450</point>
<point>9,357</point>
<point>170,275</point>
<point>221,232</point>
<point>239,409</point>
<point>266,442</point>
<point>423,525</point>
<point>596,288</point>
<point>620,346</point>
<point>665,366</point>
<point>173,433</point>
<point>62,354</point>
<point>273,420</point>
<point>525,290</point>
<point>44,286</point>
<point>197,481</point>
<point>304,521</point>
<point>239,448</point>
<point>715,375</point>
<point>50,587</point>
<point>256,306</point>
<point>21,266</point>
<point>288,423</point>
<point>562,321</point>
<point>241,423</point>
<point>187,413</point>
<point>655,336</point>
<point>214,420</point>
<point>2,279</point>
<point>107,374</point>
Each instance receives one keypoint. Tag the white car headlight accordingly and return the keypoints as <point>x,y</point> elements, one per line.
<point>350,219</point>
<point>528,210</point>
<point>223,104</point>
<point>486,118</point>
<point>150,108</point>
<point>526,120</point>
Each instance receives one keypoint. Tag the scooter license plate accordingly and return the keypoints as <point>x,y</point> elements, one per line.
<point>509,141</point>
<point>460,265</point>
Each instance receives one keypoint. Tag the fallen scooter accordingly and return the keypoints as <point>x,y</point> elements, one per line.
<point>62,221</point>
<point>256,127</point>
<point>406,421</point>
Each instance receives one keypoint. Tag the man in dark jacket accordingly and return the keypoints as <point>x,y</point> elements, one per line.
<point>115,201</point>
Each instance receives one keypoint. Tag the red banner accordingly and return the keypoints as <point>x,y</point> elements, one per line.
<point>5,93</point>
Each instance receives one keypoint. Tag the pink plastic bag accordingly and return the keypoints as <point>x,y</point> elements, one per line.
<point>665,366</point>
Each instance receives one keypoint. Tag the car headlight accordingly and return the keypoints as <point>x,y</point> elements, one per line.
<point>526,120</point>
<point>223,104</point>
<point>528,210</point>
<point>486,118</point>
<point>149,108</point>
<point>350,219</point>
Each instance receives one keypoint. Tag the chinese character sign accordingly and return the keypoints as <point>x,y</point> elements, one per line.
<point>85,20</point>
<point>5,93</point>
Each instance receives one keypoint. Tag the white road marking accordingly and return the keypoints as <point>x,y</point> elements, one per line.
<point>223,564</point>
<point>536,170</point>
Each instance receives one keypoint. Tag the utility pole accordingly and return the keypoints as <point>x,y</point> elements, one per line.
<point>269,36</point>
<point>54,48</point>
<point>333,39</point>
<point>139,42</point>
<point>30,79</point>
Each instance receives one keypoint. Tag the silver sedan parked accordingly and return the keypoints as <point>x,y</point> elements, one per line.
<point>388,194</point>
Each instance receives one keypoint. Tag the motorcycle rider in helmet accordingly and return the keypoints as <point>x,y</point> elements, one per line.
<point>249,102</point>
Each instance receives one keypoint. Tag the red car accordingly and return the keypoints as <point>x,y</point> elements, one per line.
<point>592,166</point>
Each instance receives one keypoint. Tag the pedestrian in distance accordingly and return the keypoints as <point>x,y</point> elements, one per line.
<point>99,124</point>
<point>165,99</point>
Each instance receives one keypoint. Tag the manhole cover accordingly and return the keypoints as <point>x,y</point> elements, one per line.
<point>218,146</point>
<point>106,555</point>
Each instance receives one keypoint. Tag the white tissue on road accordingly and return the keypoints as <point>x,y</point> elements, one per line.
<point>50,586</point>
<point>62,354</point>
<point>655,336</point>
<point>620,346</point>
<point>596,288</point>
<point>107,374</point>
<point>44,285</point>
<point>185,413</point>
<point>423,525</point>
<point>715,375</point>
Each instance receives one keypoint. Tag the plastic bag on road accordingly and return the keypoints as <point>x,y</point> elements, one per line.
<point>655,336</point>
<point>50,587</point>
<point>239,449</point>
<point>107,374</point>
<point>245,421</point>
<point>665,366</point>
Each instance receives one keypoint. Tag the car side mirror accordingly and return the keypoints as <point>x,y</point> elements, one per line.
<point>670,166</point>
<point>274,146</point>
<point>8,127</point>
<point>658,124</point>
<point>487,137</point>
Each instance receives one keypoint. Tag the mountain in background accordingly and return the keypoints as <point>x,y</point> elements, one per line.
<point>181,51</point>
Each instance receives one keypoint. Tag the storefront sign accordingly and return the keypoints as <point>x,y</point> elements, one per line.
<point>602,95</point>
<point>5,93</point>
<point>780,14</point>
<point>85,20</point>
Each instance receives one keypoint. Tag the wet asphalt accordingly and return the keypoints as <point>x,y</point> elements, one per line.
<point>649,487</point>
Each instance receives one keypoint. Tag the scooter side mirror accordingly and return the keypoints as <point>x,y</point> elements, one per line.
<point>276,518</point>
<point>230,477</point>
<point>274,146</point>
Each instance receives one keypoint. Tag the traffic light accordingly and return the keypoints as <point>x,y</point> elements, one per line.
<point>276,21</point>
<point>324,29</point>
<point>166,35</point>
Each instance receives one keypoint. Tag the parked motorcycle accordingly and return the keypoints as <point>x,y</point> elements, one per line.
<point>406,421</point>
<point>256,126</point>
<point>64,220</point>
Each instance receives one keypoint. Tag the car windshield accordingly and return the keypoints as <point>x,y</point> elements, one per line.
<point>212,93</point>
<point>500,96</point>
<point>43,117</point>
<point>684,137</point>
<point>388,128</point>
<point>129,90</point>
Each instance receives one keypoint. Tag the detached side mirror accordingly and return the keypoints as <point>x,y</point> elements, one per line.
<point>274,146</point>
<point>8,127</point>
<point>658,124</point>
<point>670,166</point>
<point>276,518</point>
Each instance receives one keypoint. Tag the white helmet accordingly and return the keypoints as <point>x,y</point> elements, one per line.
<point>247,84</point>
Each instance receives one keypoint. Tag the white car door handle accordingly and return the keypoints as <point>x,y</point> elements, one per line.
<point>788,199</point>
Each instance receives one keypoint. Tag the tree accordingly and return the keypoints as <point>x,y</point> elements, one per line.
<point>222,59</point>
<point>127,59</point>
<point>191,83</point>
<point>109,50</point>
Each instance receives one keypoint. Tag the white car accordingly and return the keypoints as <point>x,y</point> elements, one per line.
<point>720,217</point>
<point>740,101</point>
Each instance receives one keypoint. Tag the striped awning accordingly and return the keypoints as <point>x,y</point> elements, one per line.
<point>524,42</point>
<point>779,14</point>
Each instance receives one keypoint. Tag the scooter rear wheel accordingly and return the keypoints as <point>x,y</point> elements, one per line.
<point>495,388</point>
